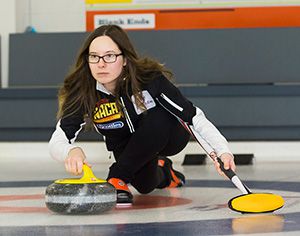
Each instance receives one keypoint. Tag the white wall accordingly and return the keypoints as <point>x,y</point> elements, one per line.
<point>7,25</point>
<point>51,15</point>
<point>43,15</point>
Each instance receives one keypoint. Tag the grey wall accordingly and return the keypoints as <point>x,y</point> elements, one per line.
<point>229,56</point>
<point>41,59</point>
<point>251,112</point>
<point>30,114</point>
<point>257,112</point>
<point>244,70</point>
<point>0,64</point>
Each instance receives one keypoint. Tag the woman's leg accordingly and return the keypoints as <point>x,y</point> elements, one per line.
<point>145,180</point>
<point>159,133</point>
<point>148,177</point>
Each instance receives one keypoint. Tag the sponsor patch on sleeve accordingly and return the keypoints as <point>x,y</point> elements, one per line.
<point>113,125</point>
<point>148,102</point>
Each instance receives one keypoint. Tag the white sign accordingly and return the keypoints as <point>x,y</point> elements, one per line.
<point>126,21</point>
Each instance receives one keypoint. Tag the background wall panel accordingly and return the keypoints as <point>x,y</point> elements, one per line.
<point>227,56</point>
<point>246,80</point>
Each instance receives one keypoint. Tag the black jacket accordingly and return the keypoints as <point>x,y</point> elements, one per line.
<point>118,126</point>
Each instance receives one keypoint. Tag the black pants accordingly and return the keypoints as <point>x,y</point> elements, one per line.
<point>158,134</point>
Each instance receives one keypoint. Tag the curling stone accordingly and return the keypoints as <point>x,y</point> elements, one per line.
<point>87,195</point>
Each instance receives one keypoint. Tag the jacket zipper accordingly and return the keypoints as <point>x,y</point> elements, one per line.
<point>129,123</point>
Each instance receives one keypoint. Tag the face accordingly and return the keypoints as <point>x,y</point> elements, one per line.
<point>104,72</point>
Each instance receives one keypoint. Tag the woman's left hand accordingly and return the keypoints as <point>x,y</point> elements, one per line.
<point>228,162</point>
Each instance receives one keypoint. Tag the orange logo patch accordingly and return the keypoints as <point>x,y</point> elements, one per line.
<point>106,112</point>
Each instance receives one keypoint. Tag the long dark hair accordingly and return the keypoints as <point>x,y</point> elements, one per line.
<point>79,89</point>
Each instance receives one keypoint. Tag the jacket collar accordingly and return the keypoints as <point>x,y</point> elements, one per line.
<point>101,88</point>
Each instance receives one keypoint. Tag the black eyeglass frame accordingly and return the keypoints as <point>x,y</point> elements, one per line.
<point>103,58</point>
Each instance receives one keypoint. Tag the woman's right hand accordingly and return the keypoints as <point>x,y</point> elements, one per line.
<point>75,160</point>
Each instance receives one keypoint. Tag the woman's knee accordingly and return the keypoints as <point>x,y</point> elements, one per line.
<point>144,189</point>
<point>145,184</point>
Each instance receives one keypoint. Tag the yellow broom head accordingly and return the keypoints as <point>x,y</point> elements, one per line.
<point>256,203</point>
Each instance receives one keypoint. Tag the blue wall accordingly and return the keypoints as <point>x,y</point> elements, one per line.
<point>246,80</point>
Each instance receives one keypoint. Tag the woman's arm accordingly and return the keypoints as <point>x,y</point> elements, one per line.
<point>61,142</point>
<point>195,121</point>
<point>62,145</point>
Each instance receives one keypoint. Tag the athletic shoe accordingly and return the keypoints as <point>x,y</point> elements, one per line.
<point>124,196</point>
<point>176,178</point>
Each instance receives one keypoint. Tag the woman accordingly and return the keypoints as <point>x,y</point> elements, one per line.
<point>141,114</point>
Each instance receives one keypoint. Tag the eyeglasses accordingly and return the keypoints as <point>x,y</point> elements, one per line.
<point>108,58</point>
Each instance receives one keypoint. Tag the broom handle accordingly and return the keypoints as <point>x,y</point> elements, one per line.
<point>234,178</point>
<point>229,173</point>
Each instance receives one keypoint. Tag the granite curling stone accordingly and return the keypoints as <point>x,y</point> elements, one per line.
<point>87,195</point>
